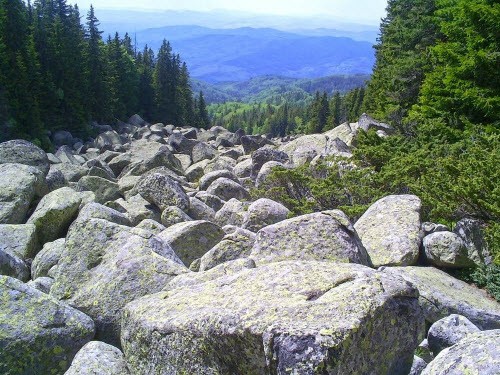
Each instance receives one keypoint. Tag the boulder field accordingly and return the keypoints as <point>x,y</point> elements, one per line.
<point>147,251</point>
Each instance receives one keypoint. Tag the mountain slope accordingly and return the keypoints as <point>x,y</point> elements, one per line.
<point>218,55</point>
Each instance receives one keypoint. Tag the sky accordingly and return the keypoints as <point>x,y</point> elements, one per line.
<point>352,10</point>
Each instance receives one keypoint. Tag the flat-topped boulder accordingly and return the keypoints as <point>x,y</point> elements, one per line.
<point>290,317</point>
<point>324,236</point>
<point>23,152</point>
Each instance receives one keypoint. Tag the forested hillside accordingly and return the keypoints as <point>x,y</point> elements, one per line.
<point>57,73</point>
<point>437,81</point>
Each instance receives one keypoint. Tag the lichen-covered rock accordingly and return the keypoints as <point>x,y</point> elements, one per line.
<point>137,209</point>
<point>442,295</point>
<point>325,236</point>
<point>43,284</point>
<point>282,318</point>
<point>173,215</point>
<point>390,230</point>
<point>210,177</point>
<point>232,213</point>
<point>202,151</point>
<point>449,331</point>
<point>262,178</point>
<point>151,225</point>
<point>264,212</point>
<point>103,189</point>
<point>23,152</point>
<point>418,366</point>
<point>264,155</point>
<point>12,265</point>
<point>105,265</point>
<point>226,189</point>
<point>54,214</point>
<point>199,210</point>
<point>38,334</point>
<point>98,358</point>
<point>98,211</point>
<point>303,149</point>
<point>47,258</point>
<point>471,232</point>
<point>212,201</point>
<point>191,239</point>
<point>344,132</point>
<point>162,191</point>
<point>446,249</point>
<point>18,187</point>
<point>243,168</point>
<point>19,240</point>
<point>237,244</point>
<point>478,353</point>
<point>71,172</point>
<point>225,269</point>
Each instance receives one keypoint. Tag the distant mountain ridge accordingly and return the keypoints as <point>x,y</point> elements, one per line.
<point>220,55</point>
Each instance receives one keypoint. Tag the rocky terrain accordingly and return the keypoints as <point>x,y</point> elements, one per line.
<point>144,252</point>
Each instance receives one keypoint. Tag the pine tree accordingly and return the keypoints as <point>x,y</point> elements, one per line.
<point>146,94</point>
<point>163,85</point>
<point>202,119</point>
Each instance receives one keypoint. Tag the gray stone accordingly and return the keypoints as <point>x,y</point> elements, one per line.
<point>105,265</point>
<point>19,240</point>
<point>212,201</point>
<point>109,138</point>
<point>162,191</point>
<point>262,179</point>
<point>428,228</point>
<point>54,214</point>
<point>199,210</point>
<point>210,177</point>
<point>264,155</point>
<point>344,132</point>
<point>472,234</point>
<point>390,230</point>
<point>98,358</point>
<point>47,258</point>
<point>103,189</point>
<point>304,149</point>
<point>173,215</point>
<point>232,213</point>
<point>191,239</point>
<point>19,151</point>
<point>138,209</point>
<point>226,189</point>
<point>202,151</point>
<point>66,155</point>
<point>71,172</point>
<point>323,236</point>
<point>196,171</point>
<point>442,295</point>
<point>137,120</point>
<point>449,331</point>
<point>95,210</point>
<point>151,225</point>
<point>264,212</point>
<point>418,366</point>
<point>282,318</point>
<point>55,180</point>
<point>19,185</point>
<point>478,353</point>
<point>43,284</point>
<point>243,168</point>
<point>12,265</point>
<point>235,245</point>
<point>447,250</point>
<point>39,334</point>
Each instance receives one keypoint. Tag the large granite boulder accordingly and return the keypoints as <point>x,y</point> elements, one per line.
<point>304,149</point>
<point>449,331</point>
<point>38,335</point>
<point>446,250</point>
<point>23,152</point>
<point>390,230</point>
<point>12,265</point>
<point>264,155</point>
<point>105,265</point>
<point>98,358</point>
<point>324,236</point>
<point>478,353</point>
<point>235,245</point>
<point>442,295</point>
<point>54,214</point>
<point>227,189</point>
<point>210,177</point>
<point>233,212</point>
<point>19,185</point>
<point>471,232</point>
<point>282,318</point>
<point>47,259</point>
<point>191,239</point>
<point>264,212</point>
<point>19,240</point>
<point>162,191</point>
<point>103,189</point>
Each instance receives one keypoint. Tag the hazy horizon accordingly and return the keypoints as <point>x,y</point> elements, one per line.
<point>362,11</point>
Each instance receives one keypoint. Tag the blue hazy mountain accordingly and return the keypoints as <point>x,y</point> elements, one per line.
<point>240,54</point>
